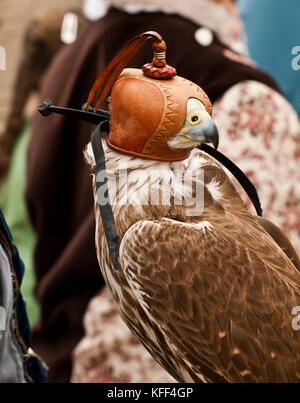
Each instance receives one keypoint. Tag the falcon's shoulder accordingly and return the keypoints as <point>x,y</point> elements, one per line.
<point>221,292</point>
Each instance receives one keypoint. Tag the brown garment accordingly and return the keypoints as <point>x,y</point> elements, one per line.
<point>59,191</point>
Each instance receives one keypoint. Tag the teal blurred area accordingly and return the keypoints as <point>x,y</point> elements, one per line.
<point>273,32</point>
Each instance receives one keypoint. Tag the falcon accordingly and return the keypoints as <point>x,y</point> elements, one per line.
<point>210,297</point>
<point>208,288</point>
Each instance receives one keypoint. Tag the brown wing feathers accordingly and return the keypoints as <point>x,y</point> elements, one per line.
<point>230,322</point>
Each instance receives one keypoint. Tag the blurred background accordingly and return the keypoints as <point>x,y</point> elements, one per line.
<point>15,16</point>
<point>270,43</point>
<point>273,37</point>
<point>30,35</point>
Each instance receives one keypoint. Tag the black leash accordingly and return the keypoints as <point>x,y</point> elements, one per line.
<point>101,118</point>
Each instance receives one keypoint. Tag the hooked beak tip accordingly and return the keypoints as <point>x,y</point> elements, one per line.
<point>211,133</point>
<point>215,143</point>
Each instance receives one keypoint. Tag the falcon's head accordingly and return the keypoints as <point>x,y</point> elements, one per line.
<point>154,114</point>
<point>198,128</point>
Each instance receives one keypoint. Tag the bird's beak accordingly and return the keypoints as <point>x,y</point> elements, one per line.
<point>205,132</point>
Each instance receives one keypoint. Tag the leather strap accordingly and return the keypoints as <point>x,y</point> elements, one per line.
<point>106,212</point>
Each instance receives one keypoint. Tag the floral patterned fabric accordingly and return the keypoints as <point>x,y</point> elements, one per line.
<point>109,352</point>
<point>260,132</point>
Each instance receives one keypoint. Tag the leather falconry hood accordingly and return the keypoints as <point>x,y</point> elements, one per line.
<point>147,106</point>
